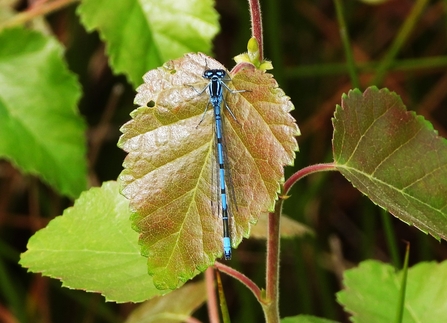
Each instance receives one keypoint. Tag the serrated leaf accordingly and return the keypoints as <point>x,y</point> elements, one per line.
<point>394,157</point>
<point>305,319</point>
<point>372,290</point>
<point>175,307</point>
<point>141,35</point>
<point>169,169</point>
<point>92,247</point>
<point>41,131</point>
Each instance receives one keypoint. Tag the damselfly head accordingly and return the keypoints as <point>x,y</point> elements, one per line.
<point>217,74</point>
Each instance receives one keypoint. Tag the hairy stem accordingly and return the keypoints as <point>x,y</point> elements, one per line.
<point>307,171</point>
<point>256,25</point>
<point>213,313</point>
<point>241,277</point>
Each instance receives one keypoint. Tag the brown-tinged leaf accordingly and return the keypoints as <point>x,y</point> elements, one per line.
<point>169,170</point>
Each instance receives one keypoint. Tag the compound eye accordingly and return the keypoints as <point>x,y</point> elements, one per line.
<point>208,74</point>
<point>220,73</point>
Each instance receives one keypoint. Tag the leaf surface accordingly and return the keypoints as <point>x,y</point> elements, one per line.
<point>41,131</point>
<point>305,319</point>
<point>394,157</point>
<point>289,228</point>
<point>175,307</point>
<point>372,290</point>
<point>92,247</point>
<point>142,34</point>
<point>169,170</point>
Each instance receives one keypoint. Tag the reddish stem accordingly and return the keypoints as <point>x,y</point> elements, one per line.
<point>242,278</point>
<point>213,313</point>
<point>256,25</point>
<point>306,171</point>
<point>271,307</point>
<point>271,310</point>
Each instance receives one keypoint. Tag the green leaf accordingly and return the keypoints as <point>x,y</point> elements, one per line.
<point>305,319</point>
<point>141,35</point>
<point>92,247</point>
<point>394,157</point>
<point>41,131</point>
<point>371,293</point>
<point>175,307</point>
<point>171,161</point>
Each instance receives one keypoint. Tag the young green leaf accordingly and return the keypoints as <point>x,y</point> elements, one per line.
<point>394,157</point>
<point>141,35</point>
<point>92,247</point>
<point>171,164</point>
<point>372,290</point>
<point>41,131</point>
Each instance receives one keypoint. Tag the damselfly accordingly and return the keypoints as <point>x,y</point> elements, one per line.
<point>216,84</point>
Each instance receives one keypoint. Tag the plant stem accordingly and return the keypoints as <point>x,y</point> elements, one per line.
<point>35,11</point>
<point>256,25</point>
<point>213,313</point>
<point>271,305</point>
<point>271,302</point>
<point>222,300</point>
<point>346,45</point>
<point>307,171</point>
<point>390,238</point>
<point>399,41</point>
<point>241,277</point>
<point>403,287</point>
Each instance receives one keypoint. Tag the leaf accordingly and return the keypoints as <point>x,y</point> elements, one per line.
<point>141,35</point>
<point>168,171</point>
<point>92,247</point>
<point>305,319</point>
<point>289,228</point>
<point>394,157</point>
<point>371,293</point>
<point>41,131</point>
<point>171,308</point>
